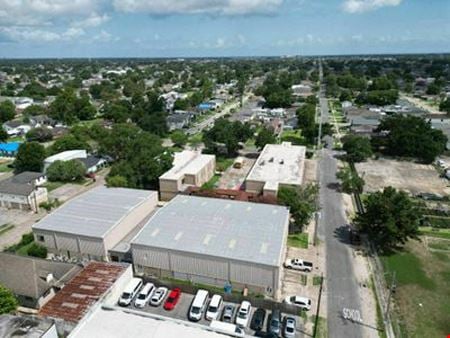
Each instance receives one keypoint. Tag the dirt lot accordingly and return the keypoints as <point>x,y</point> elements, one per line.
<point>409,176</point>
<point>310,175</point>
<point>233,178</point>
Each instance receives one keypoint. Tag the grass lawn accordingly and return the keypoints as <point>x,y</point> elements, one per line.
<point>298,240</point>
<point>434,232</point>
<point>53,185</point>
<point>223,163</point>
<point>422,297</point>
<point>321,329</point>
<point>211,184</point>
<point>4,167</point>
<point>294,136</point>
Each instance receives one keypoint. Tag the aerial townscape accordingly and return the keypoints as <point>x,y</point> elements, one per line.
<point>214,169</point>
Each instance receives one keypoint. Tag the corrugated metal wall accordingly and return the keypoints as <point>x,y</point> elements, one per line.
<point>66,243</point>
<point>199,265</point>
<point>91,247</point>
<point>151,257</point>
<point>251,274</point>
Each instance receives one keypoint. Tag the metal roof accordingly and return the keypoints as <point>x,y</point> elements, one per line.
<point>244,231</point>
<point>95,212</point>
<point>75,299</point>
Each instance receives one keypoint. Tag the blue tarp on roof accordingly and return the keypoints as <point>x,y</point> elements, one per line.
<point>206,106</point>
<point>9,148</point>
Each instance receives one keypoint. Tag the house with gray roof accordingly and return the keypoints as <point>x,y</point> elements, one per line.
<point>23,191</point>
<point>34,280</point>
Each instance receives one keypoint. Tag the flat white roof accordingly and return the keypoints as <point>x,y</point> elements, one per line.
<point>95,212</point>
<point>187,162</point>
<point>279,163</point>
<point>121,324</point>
<point>67,155</point>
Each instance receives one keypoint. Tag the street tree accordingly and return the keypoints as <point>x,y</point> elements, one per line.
<point>390,218</point>
<point>30,157</point>
<point>3,135</point>
<point>358,148</point>
<point>351,182</point>
<point>179,138</point>
<point>7,111</point>
<point>265,136</point>
<point>66,171</point>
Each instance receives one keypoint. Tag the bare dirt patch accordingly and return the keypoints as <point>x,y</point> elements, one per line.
<point>412,177</point>
<point>310,175</point>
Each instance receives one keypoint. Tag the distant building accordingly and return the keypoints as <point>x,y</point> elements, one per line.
<point>23,191</point>
<point>190,168</point>
<point>23,103</point>
<point>15,128</point>
<point>215,241</point>
<point>277,165</point>
<point>34,281</point>
<point>91,162</point>
<point>89,225</point>
<point>178,120</point>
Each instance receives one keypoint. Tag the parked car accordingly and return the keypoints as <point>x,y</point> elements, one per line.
<point>213,310</point>
<point>289,327</point>
<point>227,328</point>
<point>144,295</point>
<point>158,296</point>
<point>172,300</point>
<point>243,314</point>
<point>198,305</point>
<point>257,322</point>
<point>298,264</point>
<point>274,324</point>
<point>228,313</point>
<point>302,302</point>
<point>130,291</point>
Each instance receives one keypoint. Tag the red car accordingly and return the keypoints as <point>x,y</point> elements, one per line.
<point>172,300</point>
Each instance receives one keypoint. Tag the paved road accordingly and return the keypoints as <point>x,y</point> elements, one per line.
<point>342,286</point>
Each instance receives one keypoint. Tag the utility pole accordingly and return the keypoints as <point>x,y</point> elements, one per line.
<point>316,321</point>
<point>391,290</point>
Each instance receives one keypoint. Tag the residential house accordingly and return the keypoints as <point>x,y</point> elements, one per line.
<point>23,191</point>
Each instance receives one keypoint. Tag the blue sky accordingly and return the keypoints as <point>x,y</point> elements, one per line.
<point>175,28</point>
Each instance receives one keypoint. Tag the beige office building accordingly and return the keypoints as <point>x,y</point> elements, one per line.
<point>277,165</point>
<point>190,168</point>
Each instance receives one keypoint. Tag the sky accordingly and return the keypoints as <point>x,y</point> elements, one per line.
<point>210,28</point>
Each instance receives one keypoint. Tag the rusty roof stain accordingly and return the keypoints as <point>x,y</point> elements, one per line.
<point>73,301</point>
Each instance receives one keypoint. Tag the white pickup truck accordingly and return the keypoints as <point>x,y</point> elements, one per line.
<point>298,264</point>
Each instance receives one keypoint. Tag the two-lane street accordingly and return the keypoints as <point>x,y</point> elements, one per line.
<point>342,286</point>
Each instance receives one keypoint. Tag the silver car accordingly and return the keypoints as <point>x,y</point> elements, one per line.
<point>228,313</point>
<point>158,296</point>
<point>289,327</point>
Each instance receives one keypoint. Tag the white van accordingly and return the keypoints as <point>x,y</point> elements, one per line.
<point>130,291</point>
<point>144,295</point>
<point>198,305</point>
<point>227,328</point>
<point>213,310</point>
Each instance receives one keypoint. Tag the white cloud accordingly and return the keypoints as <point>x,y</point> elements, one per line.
<point>40,35</point>
<point>104,36</point>
<point>359,6</point>
<point>93,20</point>
<point>227,7</point>
<point>41,12</point>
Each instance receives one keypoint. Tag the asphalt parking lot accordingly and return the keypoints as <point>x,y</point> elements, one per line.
<point>181,311</point>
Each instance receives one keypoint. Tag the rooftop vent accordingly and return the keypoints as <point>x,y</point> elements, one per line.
<point>271,160</point>
<point>281,161</point>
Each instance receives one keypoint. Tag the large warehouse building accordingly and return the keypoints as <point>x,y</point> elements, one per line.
<point>216,242</point>
<point>94,222</point>
<point>278,165</point>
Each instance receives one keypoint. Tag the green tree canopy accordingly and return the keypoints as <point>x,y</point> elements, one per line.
<point>350,181</point>
<point>8,302</point>
<point>411,136</point>
<point>445,105</point>
<point>301,202</point>
<point>390,218</point>
<point>66,171</point>
<point>7,111</point>
<point>358,148</point>
<point>226,133</point>
<point>68,142</point>
<point>30,157</point>
<point>3,135</point>
<point>265,136</point>
<point>179,138</point>
<point>40,134</point>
